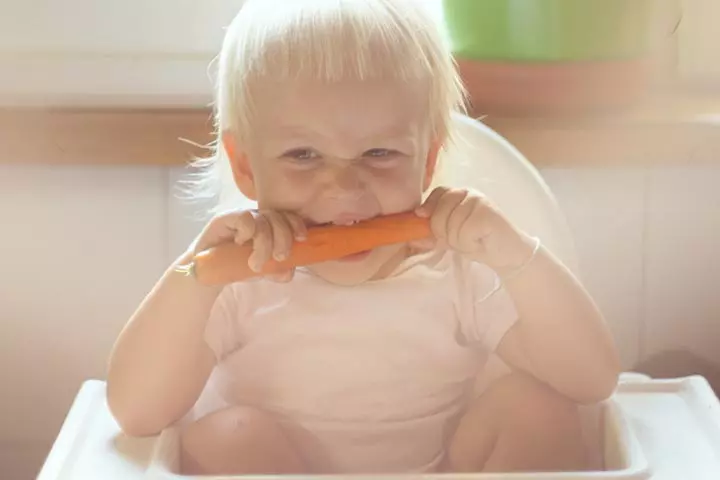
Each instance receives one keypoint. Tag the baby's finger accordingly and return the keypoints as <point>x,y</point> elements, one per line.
<point>243,226</point>
<point>262,244</point>
<point>283,277</point>
<point>282,235</point>
<point>297,224</point>
<point>428,207</point>
<point>443,210</point>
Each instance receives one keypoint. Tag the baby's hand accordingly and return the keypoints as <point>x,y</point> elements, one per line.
<point>467,222</point>
<point>272,235</point>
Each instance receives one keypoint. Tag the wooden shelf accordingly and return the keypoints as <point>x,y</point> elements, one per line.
<point>102,137</point>
<point>672,131</point>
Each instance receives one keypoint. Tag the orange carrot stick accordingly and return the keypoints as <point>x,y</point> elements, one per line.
<point>228,263</point>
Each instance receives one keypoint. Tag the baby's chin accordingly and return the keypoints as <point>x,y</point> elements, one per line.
<point>358,269</point>
<point>342,279</point>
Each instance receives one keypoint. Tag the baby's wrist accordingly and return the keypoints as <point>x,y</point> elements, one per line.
<point>517,254</point>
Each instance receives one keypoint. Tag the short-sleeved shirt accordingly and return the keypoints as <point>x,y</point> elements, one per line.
<point>364,379</point>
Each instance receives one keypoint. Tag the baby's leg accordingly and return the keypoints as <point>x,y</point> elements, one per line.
<point>237,441</point>
<point>518,425</point>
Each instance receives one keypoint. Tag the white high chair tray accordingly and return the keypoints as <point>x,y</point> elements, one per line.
<point>652,429</point>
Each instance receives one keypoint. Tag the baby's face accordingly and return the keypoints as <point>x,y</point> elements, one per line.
<point>341,153</point>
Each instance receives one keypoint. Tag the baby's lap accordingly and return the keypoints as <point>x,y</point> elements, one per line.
<point>511,395</point>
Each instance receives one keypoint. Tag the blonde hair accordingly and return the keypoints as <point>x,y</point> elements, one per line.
<point>325,40</point>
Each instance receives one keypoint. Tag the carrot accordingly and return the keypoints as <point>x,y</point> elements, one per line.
<point>228,262</point>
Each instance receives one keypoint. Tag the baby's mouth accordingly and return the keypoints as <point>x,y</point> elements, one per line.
<point>340,222</point>
<point>344,221</point>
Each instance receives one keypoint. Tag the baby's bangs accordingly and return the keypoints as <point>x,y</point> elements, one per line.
<point>352,40</point>
<point>334,40</point>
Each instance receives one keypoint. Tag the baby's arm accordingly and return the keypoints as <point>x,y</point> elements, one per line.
<point>561,337</point>
<point>160,362</point>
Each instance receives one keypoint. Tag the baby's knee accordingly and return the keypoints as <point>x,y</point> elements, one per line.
<point>541,430</point>
<point>530,404</point>
<point>518,423</point>
<point>237,440</point>
<point>520,400</point>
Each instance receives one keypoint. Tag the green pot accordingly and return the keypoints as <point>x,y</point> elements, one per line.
<point>558,30</point>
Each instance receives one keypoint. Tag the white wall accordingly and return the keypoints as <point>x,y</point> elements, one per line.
<point>81,246</point>
<point>647,241</point>
<point>134,52</point>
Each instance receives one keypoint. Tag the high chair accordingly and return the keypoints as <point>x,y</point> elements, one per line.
<point>649,429</point>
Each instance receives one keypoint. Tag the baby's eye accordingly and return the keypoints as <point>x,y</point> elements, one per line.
<point>301,154</point>
<point>379,153</point>
<point>382,158</point>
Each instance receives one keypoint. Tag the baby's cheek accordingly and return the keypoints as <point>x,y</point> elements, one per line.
<point>398,192</point>
<point>286,191</point>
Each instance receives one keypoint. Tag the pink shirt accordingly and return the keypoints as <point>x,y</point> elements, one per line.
<point>365,379</point>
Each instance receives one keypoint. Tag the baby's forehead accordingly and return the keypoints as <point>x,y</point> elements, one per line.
<point>383,105</point>
<point>309,95</point>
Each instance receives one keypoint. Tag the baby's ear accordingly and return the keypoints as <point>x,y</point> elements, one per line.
<point>240,164</point>
<point>431,163</point>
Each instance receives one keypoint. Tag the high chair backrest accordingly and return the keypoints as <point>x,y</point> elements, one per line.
<point>481,159</point>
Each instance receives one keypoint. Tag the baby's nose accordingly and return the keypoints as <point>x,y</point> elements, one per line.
<point>347,182</point>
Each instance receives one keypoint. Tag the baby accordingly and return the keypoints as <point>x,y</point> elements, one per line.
<point>336,111</point>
